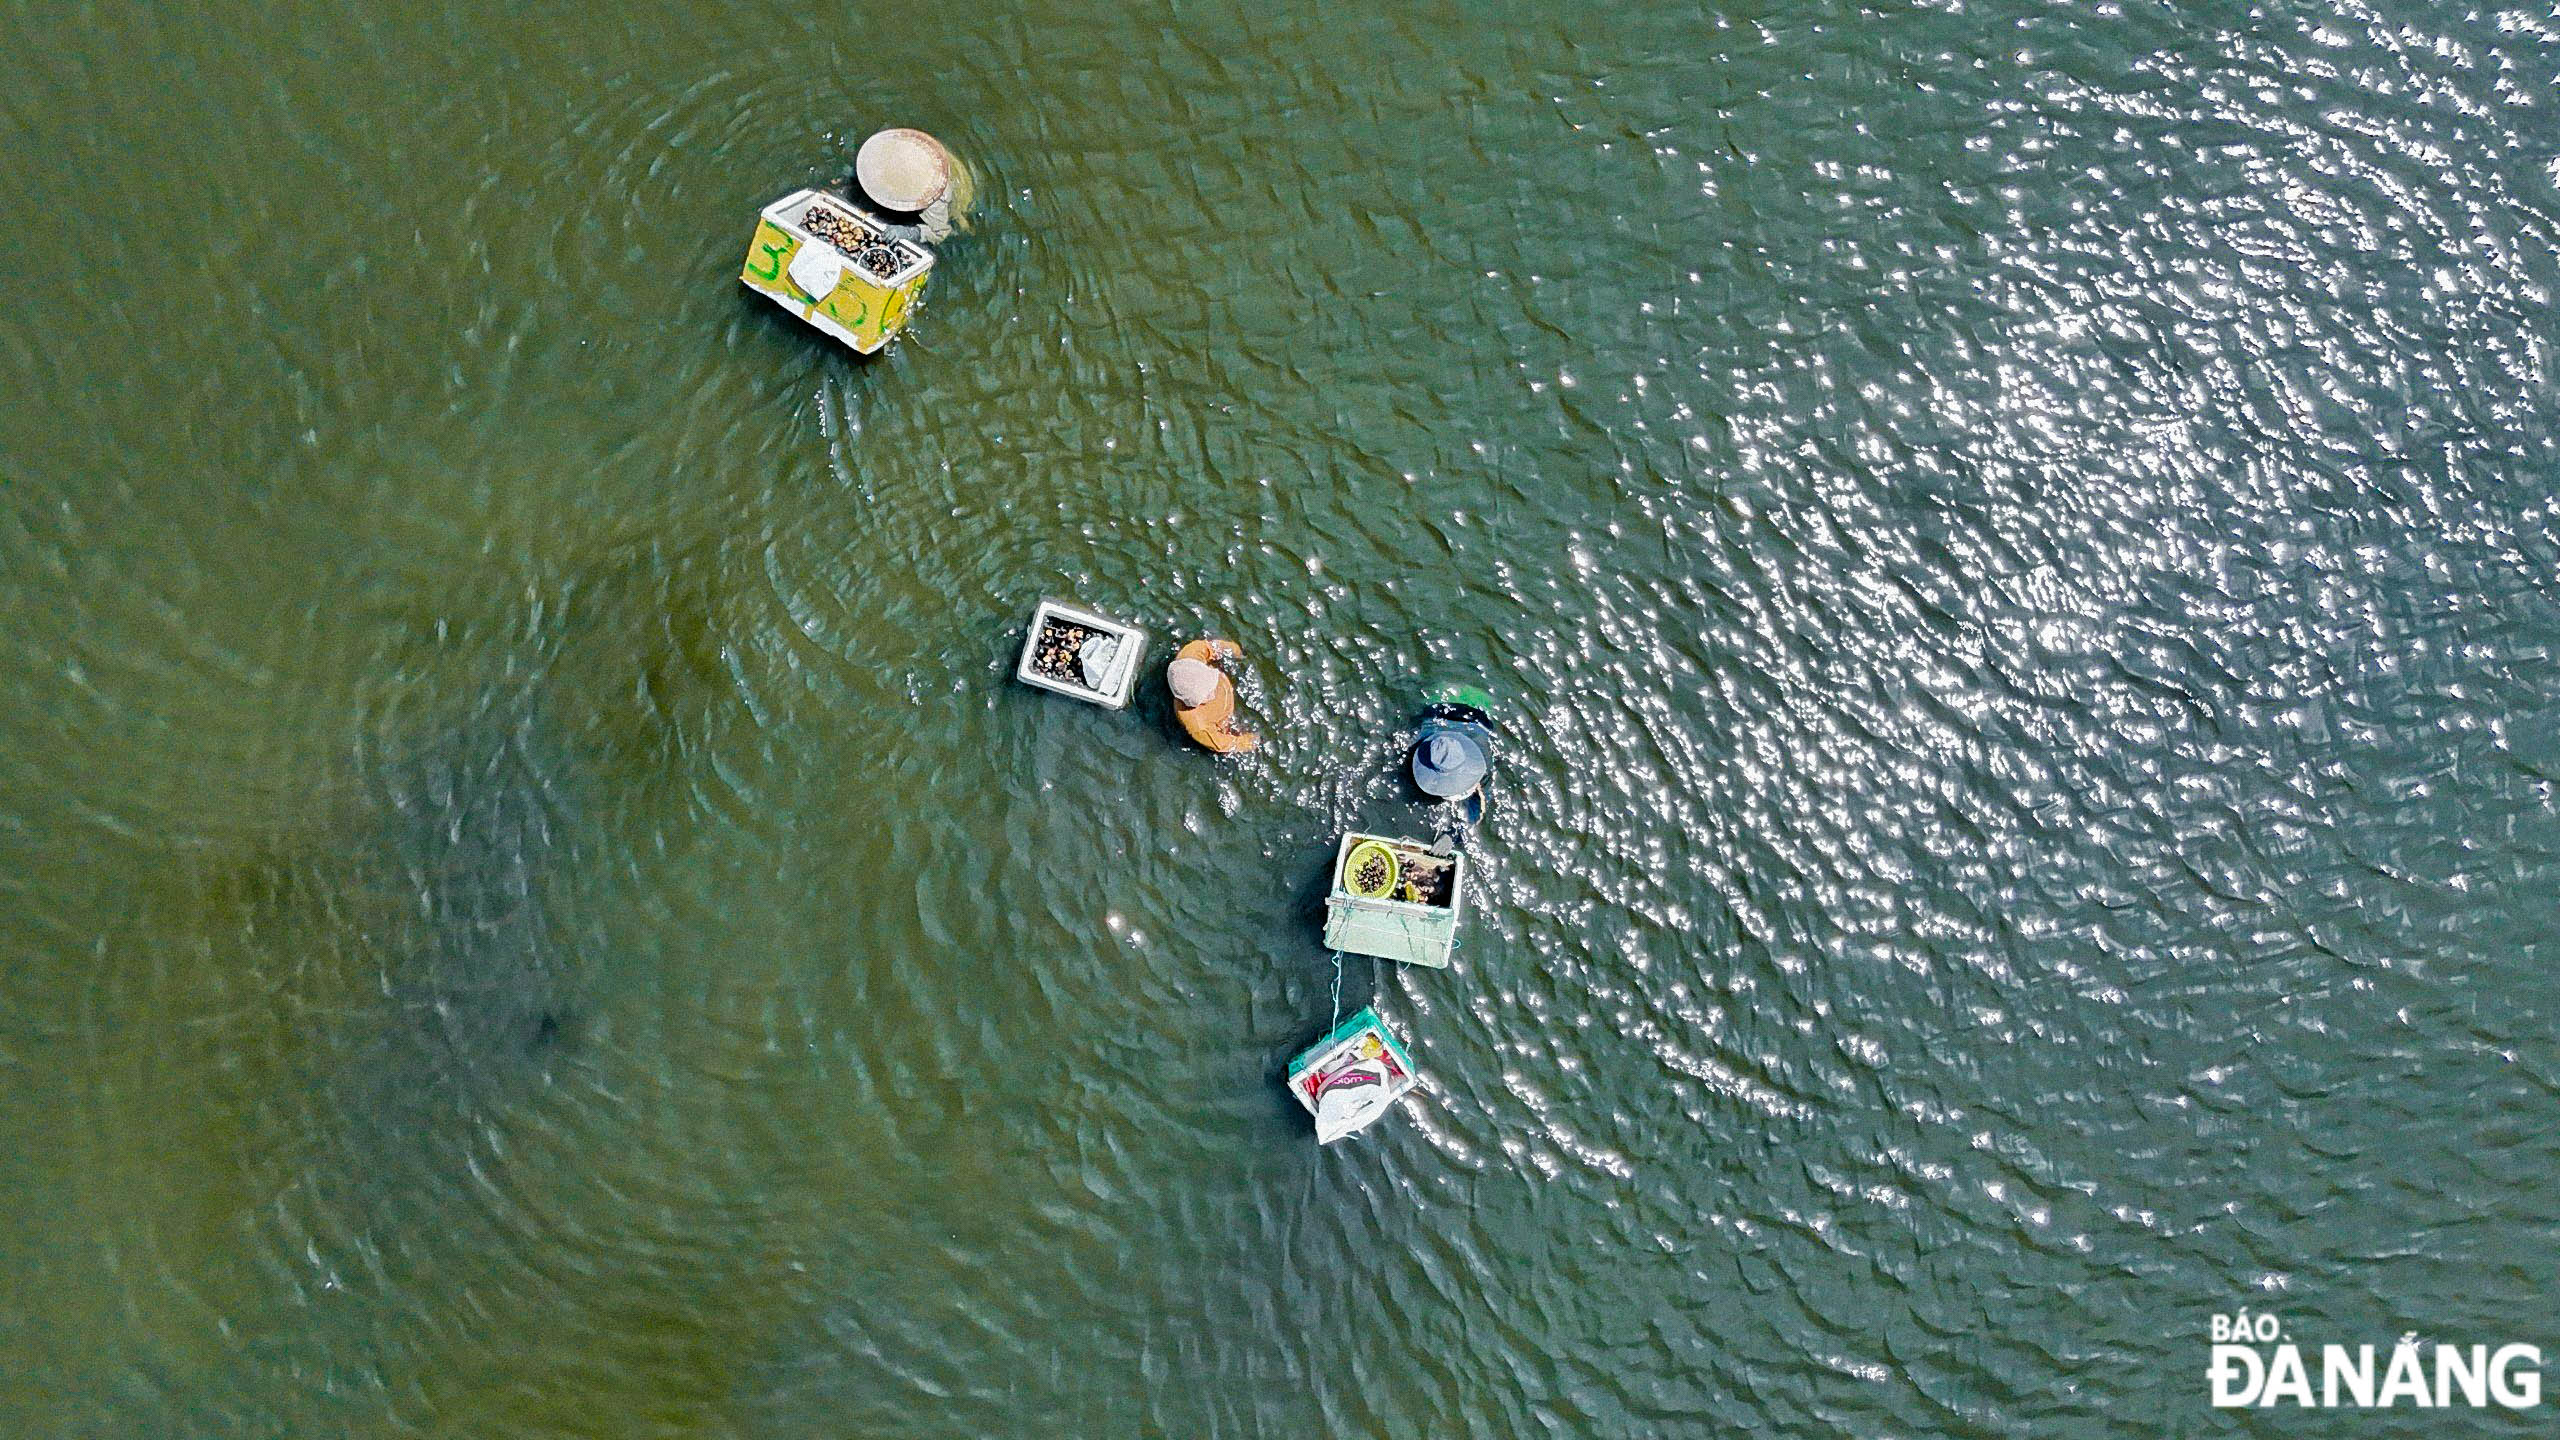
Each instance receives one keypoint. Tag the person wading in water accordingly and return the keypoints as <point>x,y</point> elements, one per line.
<point>915,188</point>
<point>1204,699</point>
<point>1452,755</point>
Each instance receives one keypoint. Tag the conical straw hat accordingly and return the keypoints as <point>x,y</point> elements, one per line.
<point>1191,682</point>
<point>902,169</point>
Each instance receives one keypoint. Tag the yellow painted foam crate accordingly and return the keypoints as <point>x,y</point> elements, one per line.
<point>857,304</point>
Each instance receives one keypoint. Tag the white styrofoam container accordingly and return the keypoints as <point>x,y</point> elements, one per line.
<point>1342,1050</point>
<point>836,292</point>
<point>1119,682</point>
<point>792,210</point>
<point>1393,929</point>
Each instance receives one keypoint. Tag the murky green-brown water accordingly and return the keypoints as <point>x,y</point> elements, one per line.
<point>2016,541</point>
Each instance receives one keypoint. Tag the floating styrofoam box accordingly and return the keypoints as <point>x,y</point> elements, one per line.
<point>826,260</point>
<point>1395,898</point>
<point>1350,1079</point>
<point>1073,651</point>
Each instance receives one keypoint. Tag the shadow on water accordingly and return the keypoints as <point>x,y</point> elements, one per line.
<point>305,1038</point>
<point>475,985</point>
<point>470,837</point>
<point>364,1035</point>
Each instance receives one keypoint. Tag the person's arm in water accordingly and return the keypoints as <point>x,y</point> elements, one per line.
<point>935,223</point>
<point>951,212</point>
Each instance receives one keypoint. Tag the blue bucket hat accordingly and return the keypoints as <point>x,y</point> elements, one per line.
<point>1448,762</point>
